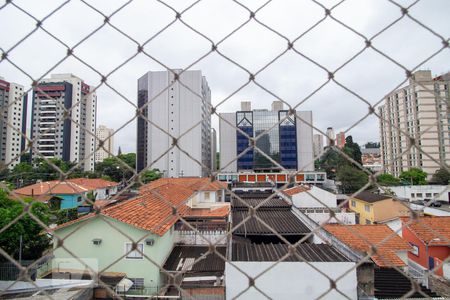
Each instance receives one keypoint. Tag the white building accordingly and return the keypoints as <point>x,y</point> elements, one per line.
<point>69,138</point>
<point>174,109</point>
<point>13,102</point>
<point>317,144</point>
<point>213,150</point>
<point>286,139</point>
<point>422,192</point>
<point>104,134</point>
<point>419,109</point>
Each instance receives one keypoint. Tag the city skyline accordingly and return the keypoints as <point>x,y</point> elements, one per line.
<point>291,77</point>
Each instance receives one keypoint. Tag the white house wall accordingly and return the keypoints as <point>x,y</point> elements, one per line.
<point>290,280</point>
<point>309,199</point>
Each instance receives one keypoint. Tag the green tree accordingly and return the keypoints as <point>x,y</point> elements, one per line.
<point>441,176</point>
<point>352,149</point>
<point>414,176</point>
<point>387,180</point>
<point>115,169</point>
<point>34,240</point>
<point>371,145</point>
<point>351,178</point>
<point>330,162</point>
<point>150,175</point>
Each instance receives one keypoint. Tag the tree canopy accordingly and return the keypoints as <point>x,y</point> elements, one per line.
<point>441,176</point>
<point>414,176</point>
<point>34,239</point>
<point>387,180</point>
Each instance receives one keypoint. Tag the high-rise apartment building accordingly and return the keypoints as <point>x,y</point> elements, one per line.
<point>420,109</point>
<point>288,140</point>
<point>64,119</point>
<point>330,137</point>
<point>213,149</point>
<point>13,105</point>
<point>317,144</point>
<point>174,109</point>
<point>277,105</point>
<point>340,140</point>
<point>106,135</point>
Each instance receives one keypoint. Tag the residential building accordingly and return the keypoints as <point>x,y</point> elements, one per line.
<point>371,159</point>
<point>174,110</point>
<point>330,137</point>
<point>70,138</point>
<point>374,208</point>
<point>422,192</point>
<point>318,204</point>
<point>279,178</point>
<point>340,140</point>
<point>317,144</point>
<point>69,193</point>
<point>429,238</point>
<point>246,105</point>
<point>383,275</point>
<point>106,135</point>
<point>148,220</point>
<point>13,103</point>
<point>286,139</point>
<point>420,110</point>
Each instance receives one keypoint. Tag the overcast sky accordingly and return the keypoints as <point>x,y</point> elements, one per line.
<point>291,77</point>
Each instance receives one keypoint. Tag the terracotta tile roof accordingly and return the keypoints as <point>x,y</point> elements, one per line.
<point>217,212</point>
<point>83,218</point>
<point>431,230</point>
<point>362,237</point>
<point>295,190</point>
<point>152,211</point>
<point>52,187</point>
<point>67,187</point>
<point>193,183</point>
<point>93,183</point>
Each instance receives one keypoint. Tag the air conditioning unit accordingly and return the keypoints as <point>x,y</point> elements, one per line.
<point>96,241</point>
<point>149,242</point>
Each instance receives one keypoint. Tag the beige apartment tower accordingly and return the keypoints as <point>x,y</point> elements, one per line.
<point>420,110</point>
<point>104,134</point>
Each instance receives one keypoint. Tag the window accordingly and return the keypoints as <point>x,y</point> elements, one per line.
<point>367,207</point>
<point>368,222</point>
<point>419,195</point>
<point>353,203</point>
<point>427,195</point>
<point>135,254</point>
<point>415,249</point>
<point>138,283</point>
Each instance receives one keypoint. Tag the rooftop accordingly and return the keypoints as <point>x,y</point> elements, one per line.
<point>272,203</point>
<point>282,221</point>
<point>274,252</point>
<point>363,237</point>
<point>156,210</point>
<point>431,230</point>
<point>182,258</point>
<point>66,187</point>
<point>295,190</point>
<point>371,197</point>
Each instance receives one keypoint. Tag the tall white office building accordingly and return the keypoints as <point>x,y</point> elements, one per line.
<point>13,104</point>
<point>104,134</point>
<point>422,110</point>
<point>64,120</point>
<point>317,144</point>
<point>174,109</point>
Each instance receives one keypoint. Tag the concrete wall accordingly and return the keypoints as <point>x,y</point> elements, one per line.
<point>438,192</point>
<point>343,217</point>
<point>290,280</point>
<point>112,248</point>
<point>198,237</point>
<point>309,199</point>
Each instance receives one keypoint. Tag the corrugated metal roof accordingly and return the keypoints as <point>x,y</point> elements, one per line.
<point>273,203</point>
<point>182,258</point>
<point>283,221</point>
<point>274,252</point>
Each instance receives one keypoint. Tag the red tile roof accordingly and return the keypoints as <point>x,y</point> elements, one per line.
<point>193,183</point>
<point>362,237</point>
<point>153,211</point>
<point>51,187</point>
<point>431,230</point>
<point>218,212</point>
<point>67,187</point>
<point>295,190</point>
<point>94,183</point>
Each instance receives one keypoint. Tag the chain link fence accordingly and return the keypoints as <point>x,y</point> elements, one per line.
<point>179,18</point>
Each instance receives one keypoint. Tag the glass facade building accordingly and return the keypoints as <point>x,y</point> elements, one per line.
<point>276,137</point>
